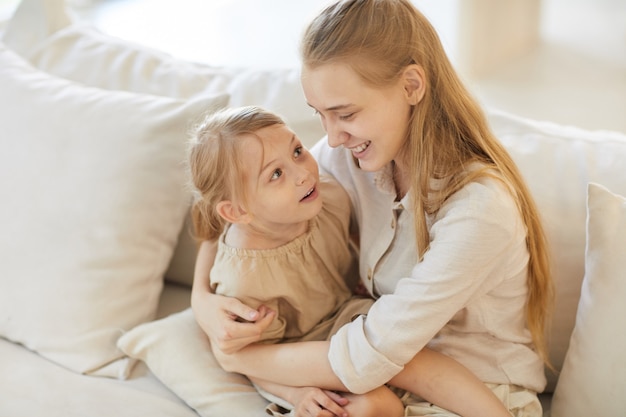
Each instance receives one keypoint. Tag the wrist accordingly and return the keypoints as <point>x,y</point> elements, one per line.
<point>225,360</point>
<point>199,292</point>
<point>291,394</point>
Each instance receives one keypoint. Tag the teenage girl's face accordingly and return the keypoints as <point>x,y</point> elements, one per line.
<point>282,179</point>
<point>369,121</point>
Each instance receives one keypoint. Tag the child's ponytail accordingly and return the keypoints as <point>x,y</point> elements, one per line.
<point>208,225</point>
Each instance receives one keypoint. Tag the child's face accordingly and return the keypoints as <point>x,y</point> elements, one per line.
<point>370,122</point>
<point>282,179</point>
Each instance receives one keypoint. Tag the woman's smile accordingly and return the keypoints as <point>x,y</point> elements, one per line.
<point>359,148</point>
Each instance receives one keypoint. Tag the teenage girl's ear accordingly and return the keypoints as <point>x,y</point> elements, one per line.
<point>414,83</point>
<point>232,213</point>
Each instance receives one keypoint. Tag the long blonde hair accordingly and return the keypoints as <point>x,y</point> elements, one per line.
<point>215,163</point>
<point>447,132</point>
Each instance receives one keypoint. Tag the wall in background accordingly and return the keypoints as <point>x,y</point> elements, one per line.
<point>559,60</point>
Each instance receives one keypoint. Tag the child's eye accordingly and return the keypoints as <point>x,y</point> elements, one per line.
<point>298,151</point>
<point>346,116</point>
<point>276,174</point>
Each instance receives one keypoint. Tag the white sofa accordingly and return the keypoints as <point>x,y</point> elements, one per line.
<point>96,246</point>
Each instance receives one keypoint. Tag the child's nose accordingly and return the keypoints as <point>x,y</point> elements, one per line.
<point>302,175</point>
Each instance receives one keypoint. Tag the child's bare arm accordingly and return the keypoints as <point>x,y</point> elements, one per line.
<point>217,315</point>
<point>445,382</point>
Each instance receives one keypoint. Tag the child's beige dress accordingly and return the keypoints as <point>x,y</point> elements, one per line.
<point>304,281</point>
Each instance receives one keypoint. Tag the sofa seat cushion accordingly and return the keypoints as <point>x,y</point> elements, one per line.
<point>34,386</point>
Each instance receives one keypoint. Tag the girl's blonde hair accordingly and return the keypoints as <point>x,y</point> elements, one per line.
<point>215,163</point>
<point>447,132</point>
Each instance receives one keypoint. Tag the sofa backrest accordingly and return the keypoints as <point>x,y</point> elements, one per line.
<point>558,162</point>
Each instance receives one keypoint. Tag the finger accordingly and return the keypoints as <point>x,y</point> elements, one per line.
<point>315,411</point>
<point>229,336</point>
<point>233,330</point>
<point>331,406</point>
<point>267,316</point>
<point>239,335</point>
<point>237,330</point>
<point>231,344</point>
<point>236,308</point>
<point>263,311</point>
<point>336,397</point>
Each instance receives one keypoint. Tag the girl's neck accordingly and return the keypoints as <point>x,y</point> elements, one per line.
<point>250,236</point>
<point>400,179</point>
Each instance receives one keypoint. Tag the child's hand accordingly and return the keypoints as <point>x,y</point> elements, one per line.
<point>230,324</point>
<point>316,402</point>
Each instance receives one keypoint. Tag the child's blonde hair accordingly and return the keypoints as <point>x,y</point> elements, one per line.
<point>447,132</point>
<point>215,163</point>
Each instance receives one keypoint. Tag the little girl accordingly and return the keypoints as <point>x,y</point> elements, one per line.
<point>283,242</point>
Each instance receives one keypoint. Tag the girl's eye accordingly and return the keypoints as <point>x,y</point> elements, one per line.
<point>298,151</point>
<point>318,114</point>
<point>276,174</point>
<point>346,116</point>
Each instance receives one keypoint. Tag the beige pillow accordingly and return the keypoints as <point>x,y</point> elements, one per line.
<point>94,193</point>
<point>593,380</point>
<point>178,353</point>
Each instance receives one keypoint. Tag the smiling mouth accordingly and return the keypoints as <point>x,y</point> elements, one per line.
<point>360,148</point>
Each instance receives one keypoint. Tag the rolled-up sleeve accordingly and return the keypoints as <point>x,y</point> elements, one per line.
<point>350,351</point>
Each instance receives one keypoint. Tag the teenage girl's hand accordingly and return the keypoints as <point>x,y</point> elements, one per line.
<point>315,402</point>
<point>229,324</point>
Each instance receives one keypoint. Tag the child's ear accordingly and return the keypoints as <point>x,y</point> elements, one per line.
<point>414,83</point>
<point>232,213</point>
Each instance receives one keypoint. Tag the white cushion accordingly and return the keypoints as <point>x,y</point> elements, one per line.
<point>94,192</point>
<point>77,51</point>
<point>178,353</point>
<point>558,162</point>
<point>80,52</point>
<point>41,18</point>
<point>594,373</point>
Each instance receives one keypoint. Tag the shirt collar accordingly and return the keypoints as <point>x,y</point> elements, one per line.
<point>384,180</point>
<point>384,183</point>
